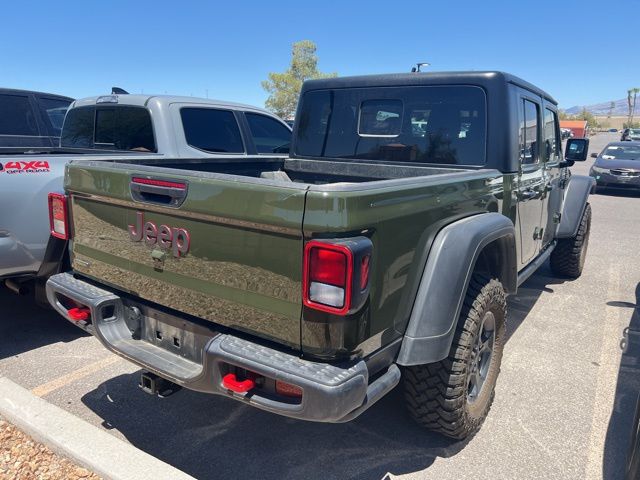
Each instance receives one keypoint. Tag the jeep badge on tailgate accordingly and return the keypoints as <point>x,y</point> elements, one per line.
<point>168,238</point>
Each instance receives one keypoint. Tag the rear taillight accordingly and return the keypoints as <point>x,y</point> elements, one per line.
<point>328,274</point>
<point>336,274</point>
<point>364,271</point>
<point>58,216</point>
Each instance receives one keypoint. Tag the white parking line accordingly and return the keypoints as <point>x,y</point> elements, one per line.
<point>610,356</point>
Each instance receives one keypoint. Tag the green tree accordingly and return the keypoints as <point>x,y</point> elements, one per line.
<point>585,114</point>
<point>284,88</point>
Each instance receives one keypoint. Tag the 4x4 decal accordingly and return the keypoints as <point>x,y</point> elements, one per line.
<point>33,166</point>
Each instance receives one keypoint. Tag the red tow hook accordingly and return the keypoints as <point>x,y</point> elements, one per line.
<point>79,314</point>
<point>231,382</point>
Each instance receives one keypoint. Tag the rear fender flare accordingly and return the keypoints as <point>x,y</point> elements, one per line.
<point>575,201</point>
<point>452,259</point>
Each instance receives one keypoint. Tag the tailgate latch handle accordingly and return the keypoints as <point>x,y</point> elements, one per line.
<point>157,191</point>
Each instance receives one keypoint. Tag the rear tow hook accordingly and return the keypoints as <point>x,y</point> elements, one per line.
<point>155,385</point>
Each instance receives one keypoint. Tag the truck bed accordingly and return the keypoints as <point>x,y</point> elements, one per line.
<point>247,222</point>
<point>306,171</point>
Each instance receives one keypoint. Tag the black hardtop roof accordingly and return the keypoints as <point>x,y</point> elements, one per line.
<point>15,91</point>
<point>489,80</point>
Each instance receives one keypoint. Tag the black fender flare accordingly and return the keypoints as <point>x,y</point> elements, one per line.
<point>575,201</point>
<point>450,264</point>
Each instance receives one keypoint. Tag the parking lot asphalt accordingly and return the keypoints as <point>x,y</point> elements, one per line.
<point>563,406</point>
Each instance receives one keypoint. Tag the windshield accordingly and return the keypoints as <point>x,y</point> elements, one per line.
<point>441,125</point>
<point>631,152</point>
<point>634,131</point>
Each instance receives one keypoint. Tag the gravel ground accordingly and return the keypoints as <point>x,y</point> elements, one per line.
<point>21,458</point>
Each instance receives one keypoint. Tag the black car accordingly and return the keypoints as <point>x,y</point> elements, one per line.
<point>618,166</point>
<point>31,119</point>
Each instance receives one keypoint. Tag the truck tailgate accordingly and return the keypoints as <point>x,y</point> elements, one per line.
<point>230,252</point>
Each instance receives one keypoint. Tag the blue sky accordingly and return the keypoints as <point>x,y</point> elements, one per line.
<point>581,52</point>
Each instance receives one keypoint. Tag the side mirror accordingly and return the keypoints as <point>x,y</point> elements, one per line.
<point>577,149</point>
<point>594,155</point>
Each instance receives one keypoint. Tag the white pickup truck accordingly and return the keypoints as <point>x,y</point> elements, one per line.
<point>110,128</point>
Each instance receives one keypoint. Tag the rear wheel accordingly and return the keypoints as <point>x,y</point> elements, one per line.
<point>453,396</point>
<point>567,259</point>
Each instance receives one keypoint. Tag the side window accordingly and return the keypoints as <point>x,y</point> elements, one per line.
<point>211,130</point>
<point>269,135</point>
<point>77,131</point>
<point>16,116</point>
<point>529,148</point>
<point>551,135</point>
<point>54,110</point>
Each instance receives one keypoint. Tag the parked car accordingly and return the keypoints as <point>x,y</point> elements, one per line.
<point>630,134</point>
<point>31,119</point>
<point>613,130</point>
<point>305,285</point>
<point>165,130</point>
<point>617,166</point>
<point>566,133</point>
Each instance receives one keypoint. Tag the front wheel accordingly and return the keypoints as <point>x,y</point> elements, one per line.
<point>567,259</point>
<point>453,396</point>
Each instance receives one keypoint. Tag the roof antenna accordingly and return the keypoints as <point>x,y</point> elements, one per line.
<point>118,91</point>
<point>419,65</point>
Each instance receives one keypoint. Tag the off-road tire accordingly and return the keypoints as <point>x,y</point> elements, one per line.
<point>567,259</point>
<point>437,394</point>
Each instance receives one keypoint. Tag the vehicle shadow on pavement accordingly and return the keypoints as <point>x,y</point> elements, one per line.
<point>619,432</point>
<point>519,306</point>
<point>24,326</point>
<point>210,436</point>
<point>213,437</point>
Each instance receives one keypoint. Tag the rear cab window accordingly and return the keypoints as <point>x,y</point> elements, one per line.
<point>418,124</point>
<point>110,127</point>
<point>268,134</point>
<point>211,130</point>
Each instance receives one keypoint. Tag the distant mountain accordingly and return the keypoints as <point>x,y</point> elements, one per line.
<point>621,108</point>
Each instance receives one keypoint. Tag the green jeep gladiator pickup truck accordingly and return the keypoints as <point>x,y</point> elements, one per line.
<point>382,248</point>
